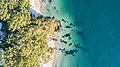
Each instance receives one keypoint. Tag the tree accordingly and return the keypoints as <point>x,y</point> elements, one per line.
<point>29,47</point>
<point>16,13</point>
<point>27,35</point>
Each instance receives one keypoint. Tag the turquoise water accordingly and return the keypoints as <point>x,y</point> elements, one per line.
<point>102,33</point>
<point>96,29</point>
<point>67,12</point>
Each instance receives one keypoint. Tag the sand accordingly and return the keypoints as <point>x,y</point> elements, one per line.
<point>37,8</point>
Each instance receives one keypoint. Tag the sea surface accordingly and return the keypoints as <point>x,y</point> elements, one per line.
<point>90,32</point>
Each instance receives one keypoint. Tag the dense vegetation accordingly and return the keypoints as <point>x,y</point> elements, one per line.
<point>26,35</point>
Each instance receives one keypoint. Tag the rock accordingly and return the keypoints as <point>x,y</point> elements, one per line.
<point>68,27</point>
<point>66,35</point>
<point>69,38</point>
<point>63,41</point>
<point>70,44</point>
<point>63,20</point>
<point>55,8</point>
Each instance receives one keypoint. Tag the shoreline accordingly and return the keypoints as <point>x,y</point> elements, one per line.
<point>67,17</point>
<point>39,8</point>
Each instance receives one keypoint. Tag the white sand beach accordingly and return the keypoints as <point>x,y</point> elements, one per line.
<point>39,6</point>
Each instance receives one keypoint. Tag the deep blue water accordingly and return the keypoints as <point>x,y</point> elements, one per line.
<point>100,21</point>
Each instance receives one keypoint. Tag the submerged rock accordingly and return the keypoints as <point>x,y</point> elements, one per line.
<point>55,8</point>
<point>62,50</point>
<point>63,20</point>
<point>47,9</point>
<point>50,1</point>
<point>69,38</point>
<point>68,27</point>
<point>71,52</point>
<point>63,41</point>
<point>70,44</point>
<point>71,24</point>
<point>66,35</point>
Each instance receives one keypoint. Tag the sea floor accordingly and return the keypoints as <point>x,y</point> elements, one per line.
<point>89,34</point>
<point>72,52</point>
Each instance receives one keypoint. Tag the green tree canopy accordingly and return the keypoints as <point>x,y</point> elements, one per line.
<point>15,12</point>
<point>30,48</point>
<point>27,35</point>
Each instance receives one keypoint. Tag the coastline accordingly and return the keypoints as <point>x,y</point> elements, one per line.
<point>39,6</point>
<point>66,14</point>
<point>59,59</point>
<point>58,10</point>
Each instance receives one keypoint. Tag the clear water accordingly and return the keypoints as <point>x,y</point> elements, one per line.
<point>98,23</point>
<point>101,32</point>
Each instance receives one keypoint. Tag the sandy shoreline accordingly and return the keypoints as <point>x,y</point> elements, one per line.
<point>53,44</point>
<point>39,6</point>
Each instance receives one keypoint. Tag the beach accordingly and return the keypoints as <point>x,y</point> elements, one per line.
<point>75,41</point>
<point>37,8</point>
<point>59,33</point>
<point>70,35</point>
<point>72,52</point>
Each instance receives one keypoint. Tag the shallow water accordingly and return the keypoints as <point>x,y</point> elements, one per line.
<point>97,32</point>
<point>67,13</point>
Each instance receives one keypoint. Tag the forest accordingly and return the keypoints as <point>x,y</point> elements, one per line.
<point>25,43</point>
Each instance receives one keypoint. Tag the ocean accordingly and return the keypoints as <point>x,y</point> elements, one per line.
<point>90,34</point>
<point>101,32</point>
